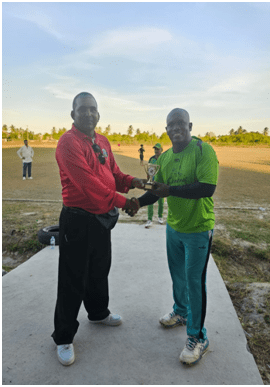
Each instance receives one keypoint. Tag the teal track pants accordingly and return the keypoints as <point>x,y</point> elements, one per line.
<point>188,256</point>
<point>160,209</point>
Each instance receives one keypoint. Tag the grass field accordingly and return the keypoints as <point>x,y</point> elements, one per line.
<point>241,242</point>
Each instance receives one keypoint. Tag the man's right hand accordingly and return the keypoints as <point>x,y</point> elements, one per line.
<point>132,206</point>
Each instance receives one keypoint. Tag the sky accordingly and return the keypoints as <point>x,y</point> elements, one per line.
<point>140,60</point>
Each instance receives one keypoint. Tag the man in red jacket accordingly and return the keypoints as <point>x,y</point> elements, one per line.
<point>90,180</point>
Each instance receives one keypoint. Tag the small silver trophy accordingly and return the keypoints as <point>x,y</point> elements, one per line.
<point>151,170</point>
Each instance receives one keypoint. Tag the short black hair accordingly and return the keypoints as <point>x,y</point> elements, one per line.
<point>82,94</point>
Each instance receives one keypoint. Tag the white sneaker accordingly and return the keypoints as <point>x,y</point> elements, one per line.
<point>112,320</point>
<point>65,354</point>
<point>193,351</point>
<point>172,320</point>
<point>30,177</point>
<point>148,224</point>
<point>24,178</point>
<point>160,220</point>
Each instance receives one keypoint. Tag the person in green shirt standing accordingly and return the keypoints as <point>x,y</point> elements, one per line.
<point>188,177</point>
<point>153,160</point>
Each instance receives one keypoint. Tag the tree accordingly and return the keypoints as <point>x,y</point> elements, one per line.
<point>31,135</point>
<point>138,132</point>
<point>107,130</point>
<point>45,136</point>
<point>164,138</point>
<point>239,130</point>
<point>265,131</point>
<point>4,131</point>
<point>231,132</point>
<point>99,130</point>
<point>143,137</point>
<point>130,130</point>
<point>54,133</point>
<point>210,134</point>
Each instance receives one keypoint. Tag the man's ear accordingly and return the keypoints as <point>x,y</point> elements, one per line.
<point>190,126</point>
<point>98,116</point>
<point>72,114</point>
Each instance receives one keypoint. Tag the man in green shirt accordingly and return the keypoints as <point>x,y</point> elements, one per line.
<point>187,177</point>
<point>153,160</point>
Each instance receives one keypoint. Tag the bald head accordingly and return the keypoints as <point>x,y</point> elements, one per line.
<point>178,113</point>
<point>85,113</point>
<point>179,128</point>
<point>84,94</point>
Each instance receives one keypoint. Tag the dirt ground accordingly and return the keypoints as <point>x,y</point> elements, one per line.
<point>243,177</point>
<point>242,237</point>
<point>248,158</point>
<point>253,158</point>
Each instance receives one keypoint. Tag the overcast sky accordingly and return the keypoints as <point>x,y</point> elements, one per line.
<point>139,60</point>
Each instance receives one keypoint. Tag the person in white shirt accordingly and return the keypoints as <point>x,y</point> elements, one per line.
<point>26,153</point>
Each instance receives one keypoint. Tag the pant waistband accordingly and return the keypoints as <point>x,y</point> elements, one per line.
<point>78,210</point>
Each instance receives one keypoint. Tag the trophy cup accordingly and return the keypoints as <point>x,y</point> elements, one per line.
<point>151,170</point>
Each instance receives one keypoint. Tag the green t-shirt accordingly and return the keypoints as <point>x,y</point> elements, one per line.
<point>152,160</point>
<point>196,163</point>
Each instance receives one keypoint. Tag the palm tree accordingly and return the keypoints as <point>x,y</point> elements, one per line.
<point>265,131</point>
<point>107,130</point>
<point>130,130</point>
<point>231,132</point>
<point>239,130</point>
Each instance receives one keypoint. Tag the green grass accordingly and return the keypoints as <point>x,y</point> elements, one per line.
<point>7,268</point>
<point>32,245</point>
<point>238,264</point>
<point>248,228</point>
<point>11,209</point>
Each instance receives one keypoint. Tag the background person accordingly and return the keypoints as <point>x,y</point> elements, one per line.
<point>26,153</point>
<point>90,178</point>
<point>141,150</point>
<point>187,177</point>
<point>153,160</point>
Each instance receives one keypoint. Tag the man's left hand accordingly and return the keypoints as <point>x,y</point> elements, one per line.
<point>138,183</point>
<point>161,190</point>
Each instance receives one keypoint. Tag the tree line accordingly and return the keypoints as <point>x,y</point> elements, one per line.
<point>239,136</point>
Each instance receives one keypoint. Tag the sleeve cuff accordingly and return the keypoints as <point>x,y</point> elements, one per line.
<point>129,181</point>
<point>120,201</point>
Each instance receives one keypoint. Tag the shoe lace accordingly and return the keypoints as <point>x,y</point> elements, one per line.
<point>66,347</point>
<point>191,343</point>
<point>172,314</point>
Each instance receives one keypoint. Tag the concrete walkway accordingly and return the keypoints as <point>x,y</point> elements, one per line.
<point>139,351</point>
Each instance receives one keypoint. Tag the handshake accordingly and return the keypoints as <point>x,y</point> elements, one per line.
<point>132,205</point>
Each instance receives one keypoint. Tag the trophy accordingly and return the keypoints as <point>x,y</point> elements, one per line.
<point>151,170</point>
